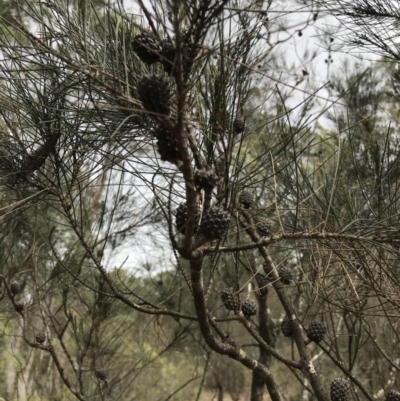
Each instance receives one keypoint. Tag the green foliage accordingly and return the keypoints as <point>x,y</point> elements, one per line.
<point>87,210</point>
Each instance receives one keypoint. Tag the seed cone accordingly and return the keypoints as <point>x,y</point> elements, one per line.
<point>205,179</point>
<point>181,218</point>
<point>40,338</point>
<point>230,300</point>
<point>264,227</point>
<point>147,47</point>
<point>15,287</point>
<point>238,126</point>
<point>287,327</point>
<point>316,331</point>
<point>19,307</point>
<point>154,93</point>
<point>169,55</point>
<point>285,275</point>
<point>246,199</point>
<point>215,223</point>
<point>249,307</point>
<point>392,395</point>
<point>267,271</point>
<point>166,145</point>
<point>101,374</point>
<point>340,389</point>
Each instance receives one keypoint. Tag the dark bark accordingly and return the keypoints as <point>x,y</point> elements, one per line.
<point>258,385</point>
<point>308,367</point>
<point>220,391</point>
<point>225,346</point>
<point>36,159</point>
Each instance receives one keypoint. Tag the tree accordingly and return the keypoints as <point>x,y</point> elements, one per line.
<point>166,137</point>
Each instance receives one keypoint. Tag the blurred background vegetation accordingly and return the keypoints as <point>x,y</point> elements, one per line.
<point>88,234</point>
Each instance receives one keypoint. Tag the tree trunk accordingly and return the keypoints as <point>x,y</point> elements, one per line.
<point>258,384</point>
<point>11,376</point>
<point>220,391</point>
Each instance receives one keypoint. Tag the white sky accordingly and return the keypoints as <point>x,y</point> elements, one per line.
<point>297,54</point>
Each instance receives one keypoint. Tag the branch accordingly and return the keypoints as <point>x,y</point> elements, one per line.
<point>228,347</point>
<point>267,348</point>
<point>308,366</point>
<point>299,236</point>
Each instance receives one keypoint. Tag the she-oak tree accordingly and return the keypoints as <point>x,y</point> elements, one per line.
<point>171,126</point>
